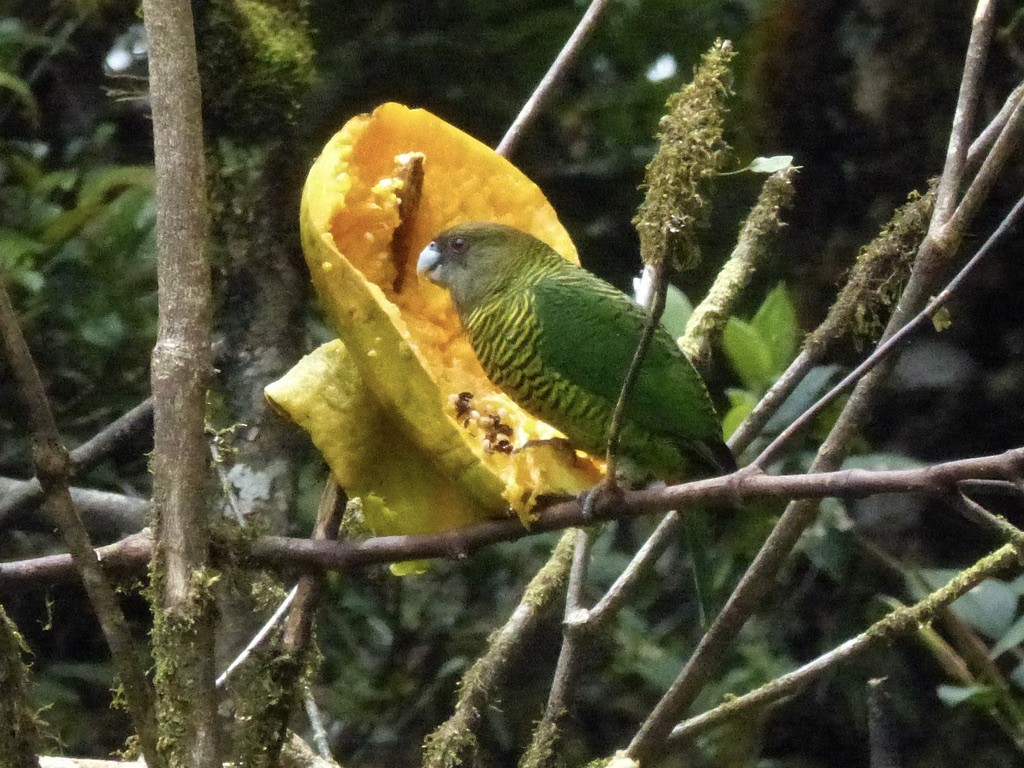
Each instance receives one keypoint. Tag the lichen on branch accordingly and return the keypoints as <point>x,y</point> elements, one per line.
<point>691,150</point>
<point>877,277</point>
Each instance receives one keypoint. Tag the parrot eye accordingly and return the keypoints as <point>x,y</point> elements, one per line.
<point>458,245</point>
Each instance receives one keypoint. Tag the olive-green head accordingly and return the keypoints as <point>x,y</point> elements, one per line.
<point>481,259</point>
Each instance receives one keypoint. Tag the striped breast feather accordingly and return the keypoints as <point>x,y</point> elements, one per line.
<point>507,340</point>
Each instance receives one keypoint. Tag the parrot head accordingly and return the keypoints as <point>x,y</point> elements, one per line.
<point>476,259</point>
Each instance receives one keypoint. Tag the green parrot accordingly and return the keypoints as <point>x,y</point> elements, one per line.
<point>559,340</point>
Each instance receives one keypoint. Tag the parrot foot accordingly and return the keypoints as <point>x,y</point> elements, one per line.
<point>588,499</point>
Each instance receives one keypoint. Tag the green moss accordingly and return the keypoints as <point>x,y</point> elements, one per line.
<point>877,277</point>
<point>450,746</point>
<point>691,151</point>
<point>179,639</point>
<point>264,690</point>
<point>256,63</point>
<point>541,753</point>
<point>454,742</point>
<point>764,221</point>
<point>18,723</point>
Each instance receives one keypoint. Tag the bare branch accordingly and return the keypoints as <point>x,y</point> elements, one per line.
<point>183,633</point>
<point>541,94</point>
<point>99,510</point>
<point>967,101</point>
<point>545,737</point>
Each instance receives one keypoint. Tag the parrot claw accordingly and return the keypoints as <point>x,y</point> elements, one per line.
<point>588,499</point>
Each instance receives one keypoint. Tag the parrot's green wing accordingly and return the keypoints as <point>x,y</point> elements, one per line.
<point>589,332</point>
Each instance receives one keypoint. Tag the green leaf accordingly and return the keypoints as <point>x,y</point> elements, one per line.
<point>770,164</point>
<point>990,607</point>
<point>775,320</point>
<point>749,354</point>
<point>978,695</point>
<point>1013,637</point>
<point>678,309</point>
<point>742,403</point>
<point>22,94</point>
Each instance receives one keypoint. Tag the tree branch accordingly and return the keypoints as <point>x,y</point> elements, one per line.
<point>454,741</point>
<point>99,510</point>
<point>183,633</point>
<point>542,93</point>
<point>53,470</point>
<point>309,555</point>
<point>85,456</point>
<point>775,448</point>
<point>897,623</point>
<point>759,578</point>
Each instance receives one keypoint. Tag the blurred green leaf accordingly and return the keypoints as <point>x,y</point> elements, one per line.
<point>983,696</point>
<point>775,322</point>
<point>990,607</point>
<point>1013,637</point>
<point>749,354</point>
<point>22,94</point>
<point>741,403</point>
<point>678,309</point>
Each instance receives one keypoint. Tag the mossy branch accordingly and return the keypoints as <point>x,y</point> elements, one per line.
<point>877,277</point>
<point>756,237</point>
<point>18,723</point>
<point>759,578</point>
<point>454,742</point>
<point>898,623</point>
<point>690,152</point>
<point>183,629</point>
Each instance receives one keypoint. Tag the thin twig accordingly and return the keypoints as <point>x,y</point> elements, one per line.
<point>655,311</point>
<point>184,625</point>
<point>258,638</point>
<point>538,99</point>
<point>775,448</point>
<point>978,191</point>
<point>967,100</point>
<point>298,629</point>
<point>53,470</point>
<point>623,586</point>
<point>897,623</point>
<point>1000,525</point>
<point>982,145</point>
<point>85,456</point>
<point>316,724</point>
<point>454,740</point>
<point>777,394</point>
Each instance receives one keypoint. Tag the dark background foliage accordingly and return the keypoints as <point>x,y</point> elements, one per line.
<point>860,92</point>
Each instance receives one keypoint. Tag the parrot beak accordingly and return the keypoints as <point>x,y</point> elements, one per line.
<point>430,257</point>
